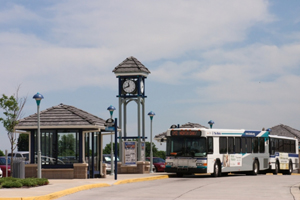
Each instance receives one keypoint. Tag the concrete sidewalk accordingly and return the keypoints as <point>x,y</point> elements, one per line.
<point>61,187</point>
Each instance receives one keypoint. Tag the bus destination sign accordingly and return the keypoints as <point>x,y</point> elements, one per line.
<point>185,133</point>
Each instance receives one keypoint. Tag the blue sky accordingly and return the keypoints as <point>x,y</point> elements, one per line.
<point>234,62</point>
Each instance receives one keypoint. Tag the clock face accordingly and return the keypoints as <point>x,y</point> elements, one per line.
<point>142,86</point>
<point>129,86</point>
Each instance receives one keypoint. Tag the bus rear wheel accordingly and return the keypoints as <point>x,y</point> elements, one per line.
<point>277,167</point>
<point>290,171</point>
<point>255,168</point>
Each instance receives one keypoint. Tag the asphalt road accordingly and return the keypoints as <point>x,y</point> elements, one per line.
<point>199,187</point>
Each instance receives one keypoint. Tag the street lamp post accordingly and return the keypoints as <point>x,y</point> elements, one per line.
<point>111,110</point>
<point>151,114</point>
<point>211,122</point>
<point>38,97</point>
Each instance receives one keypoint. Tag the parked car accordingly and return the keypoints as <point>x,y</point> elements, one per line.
<point>1,173</point>
<point>159,164</point>
<point>107,161</point>
<point>3,166</point>
<point>21,154</point>
<point>49,160</point>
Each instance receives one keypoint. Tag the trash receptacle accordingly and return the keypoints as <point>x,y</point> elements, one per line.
<point>18,168</point>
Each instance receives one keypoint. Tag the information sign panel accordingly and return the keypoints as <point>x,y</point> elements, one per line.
<point>129,152</point>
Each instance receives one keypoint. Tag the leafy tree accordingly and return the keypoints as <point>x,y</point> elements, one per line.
<point>12,107</point>
<point>1,153</point>
<point>66,145</point>
<point>161,154</point>
<point>23,142</point>
<point>107,148</point>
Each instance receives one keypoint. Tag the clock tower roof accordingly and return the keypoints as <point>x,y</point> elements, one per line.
<point>131,66</point>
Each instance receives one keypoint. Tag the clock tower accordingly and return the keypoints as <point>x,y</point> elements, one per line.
<point>131,75</point>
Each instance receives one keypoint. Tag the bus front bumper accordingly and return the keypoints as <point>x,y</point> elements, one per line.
<point>186,170</point>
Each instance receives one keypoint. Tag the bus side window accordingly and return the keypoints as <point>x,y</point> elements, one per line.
<point>293,146</point>
<point>255,144</point>
<point>249,145</point>
<point>237,145</point>
<point>287,146</point>
<point>223,145</point>
<point>210,145</point>
<point>230,145</point>
<point>261,143</point>
<point>276,145</point>
<point>280,145</point>
<point>244,147</point>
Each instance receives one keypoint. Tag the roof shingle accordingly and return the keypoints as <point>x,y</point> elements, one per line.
<point>61,116</point>
<point>131,65</point>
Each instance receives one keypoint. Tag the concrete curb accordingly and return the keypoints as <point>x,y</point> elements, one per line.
<point>62,193</point>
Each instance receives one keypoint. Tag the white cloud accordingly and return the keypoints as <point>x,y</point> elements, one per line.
<point>84,42</point>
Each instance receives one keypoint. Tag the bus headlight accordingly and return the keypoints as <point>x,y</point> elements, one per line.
<point>201,164</point>
<point>169,163</point>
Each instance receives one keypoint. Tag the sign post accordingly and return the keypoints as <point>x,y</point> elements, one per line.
<point>116,161</point>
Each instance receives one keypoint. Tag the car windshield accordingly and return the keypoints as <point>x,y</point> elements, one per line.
<point>186,146</point>
<point>3,161</point>
<point>158,160</point>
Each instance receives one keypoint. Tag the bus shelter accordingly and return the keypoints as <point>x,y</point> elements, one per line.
<point>71,143</point>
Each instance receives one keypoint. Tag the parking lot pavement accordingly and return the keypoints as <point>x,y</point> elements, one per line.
<point>61,187</point>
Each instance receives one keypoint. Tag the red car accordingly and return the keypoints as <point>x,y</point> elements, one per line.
<point>159,164</point>
<point>3,165</point>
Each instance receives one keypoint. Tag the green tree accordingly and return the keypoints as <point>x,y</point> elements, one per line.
<point>1,153</point>
<point>23,142</point>
<point>12,107</point>
<point>66,145</point>
<point>161,154</point>
<point>107,148</point>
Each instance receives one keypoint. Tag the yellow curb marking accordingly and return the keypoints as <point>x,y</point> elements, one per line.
<point>141,179</point>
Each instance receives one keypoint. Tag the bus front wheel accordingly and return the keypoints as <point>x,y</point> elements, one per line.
<point>217,170</point>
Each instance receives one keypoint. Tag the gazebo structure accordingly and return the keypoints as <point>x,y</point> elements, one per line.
<point>71,142</point>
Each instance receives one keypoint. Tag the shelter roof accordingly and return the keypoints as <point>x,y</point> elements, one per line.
<point>130,65</point>
<point>284,130</point>
<point>62,116</point>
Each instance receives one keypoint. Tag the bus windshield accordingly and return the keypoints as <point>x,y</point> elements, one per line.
<point>186,146</point>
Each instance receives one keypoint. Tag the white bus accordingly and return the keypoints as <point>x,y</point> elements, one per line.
<point>283,154</point>
<point>217,151</point>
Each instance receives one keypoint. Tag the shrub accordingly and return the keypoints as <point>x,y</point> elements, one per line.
<point>11,184</point>
<point>42,181</point>
<point>30,182</point>
<point>5,179</point>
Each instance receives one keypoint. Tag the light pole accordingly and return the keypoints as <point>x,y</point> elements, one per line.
<point>151,114</point>
<point>211,122</point>
<point>38,97</point>
<point>111,110</point>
